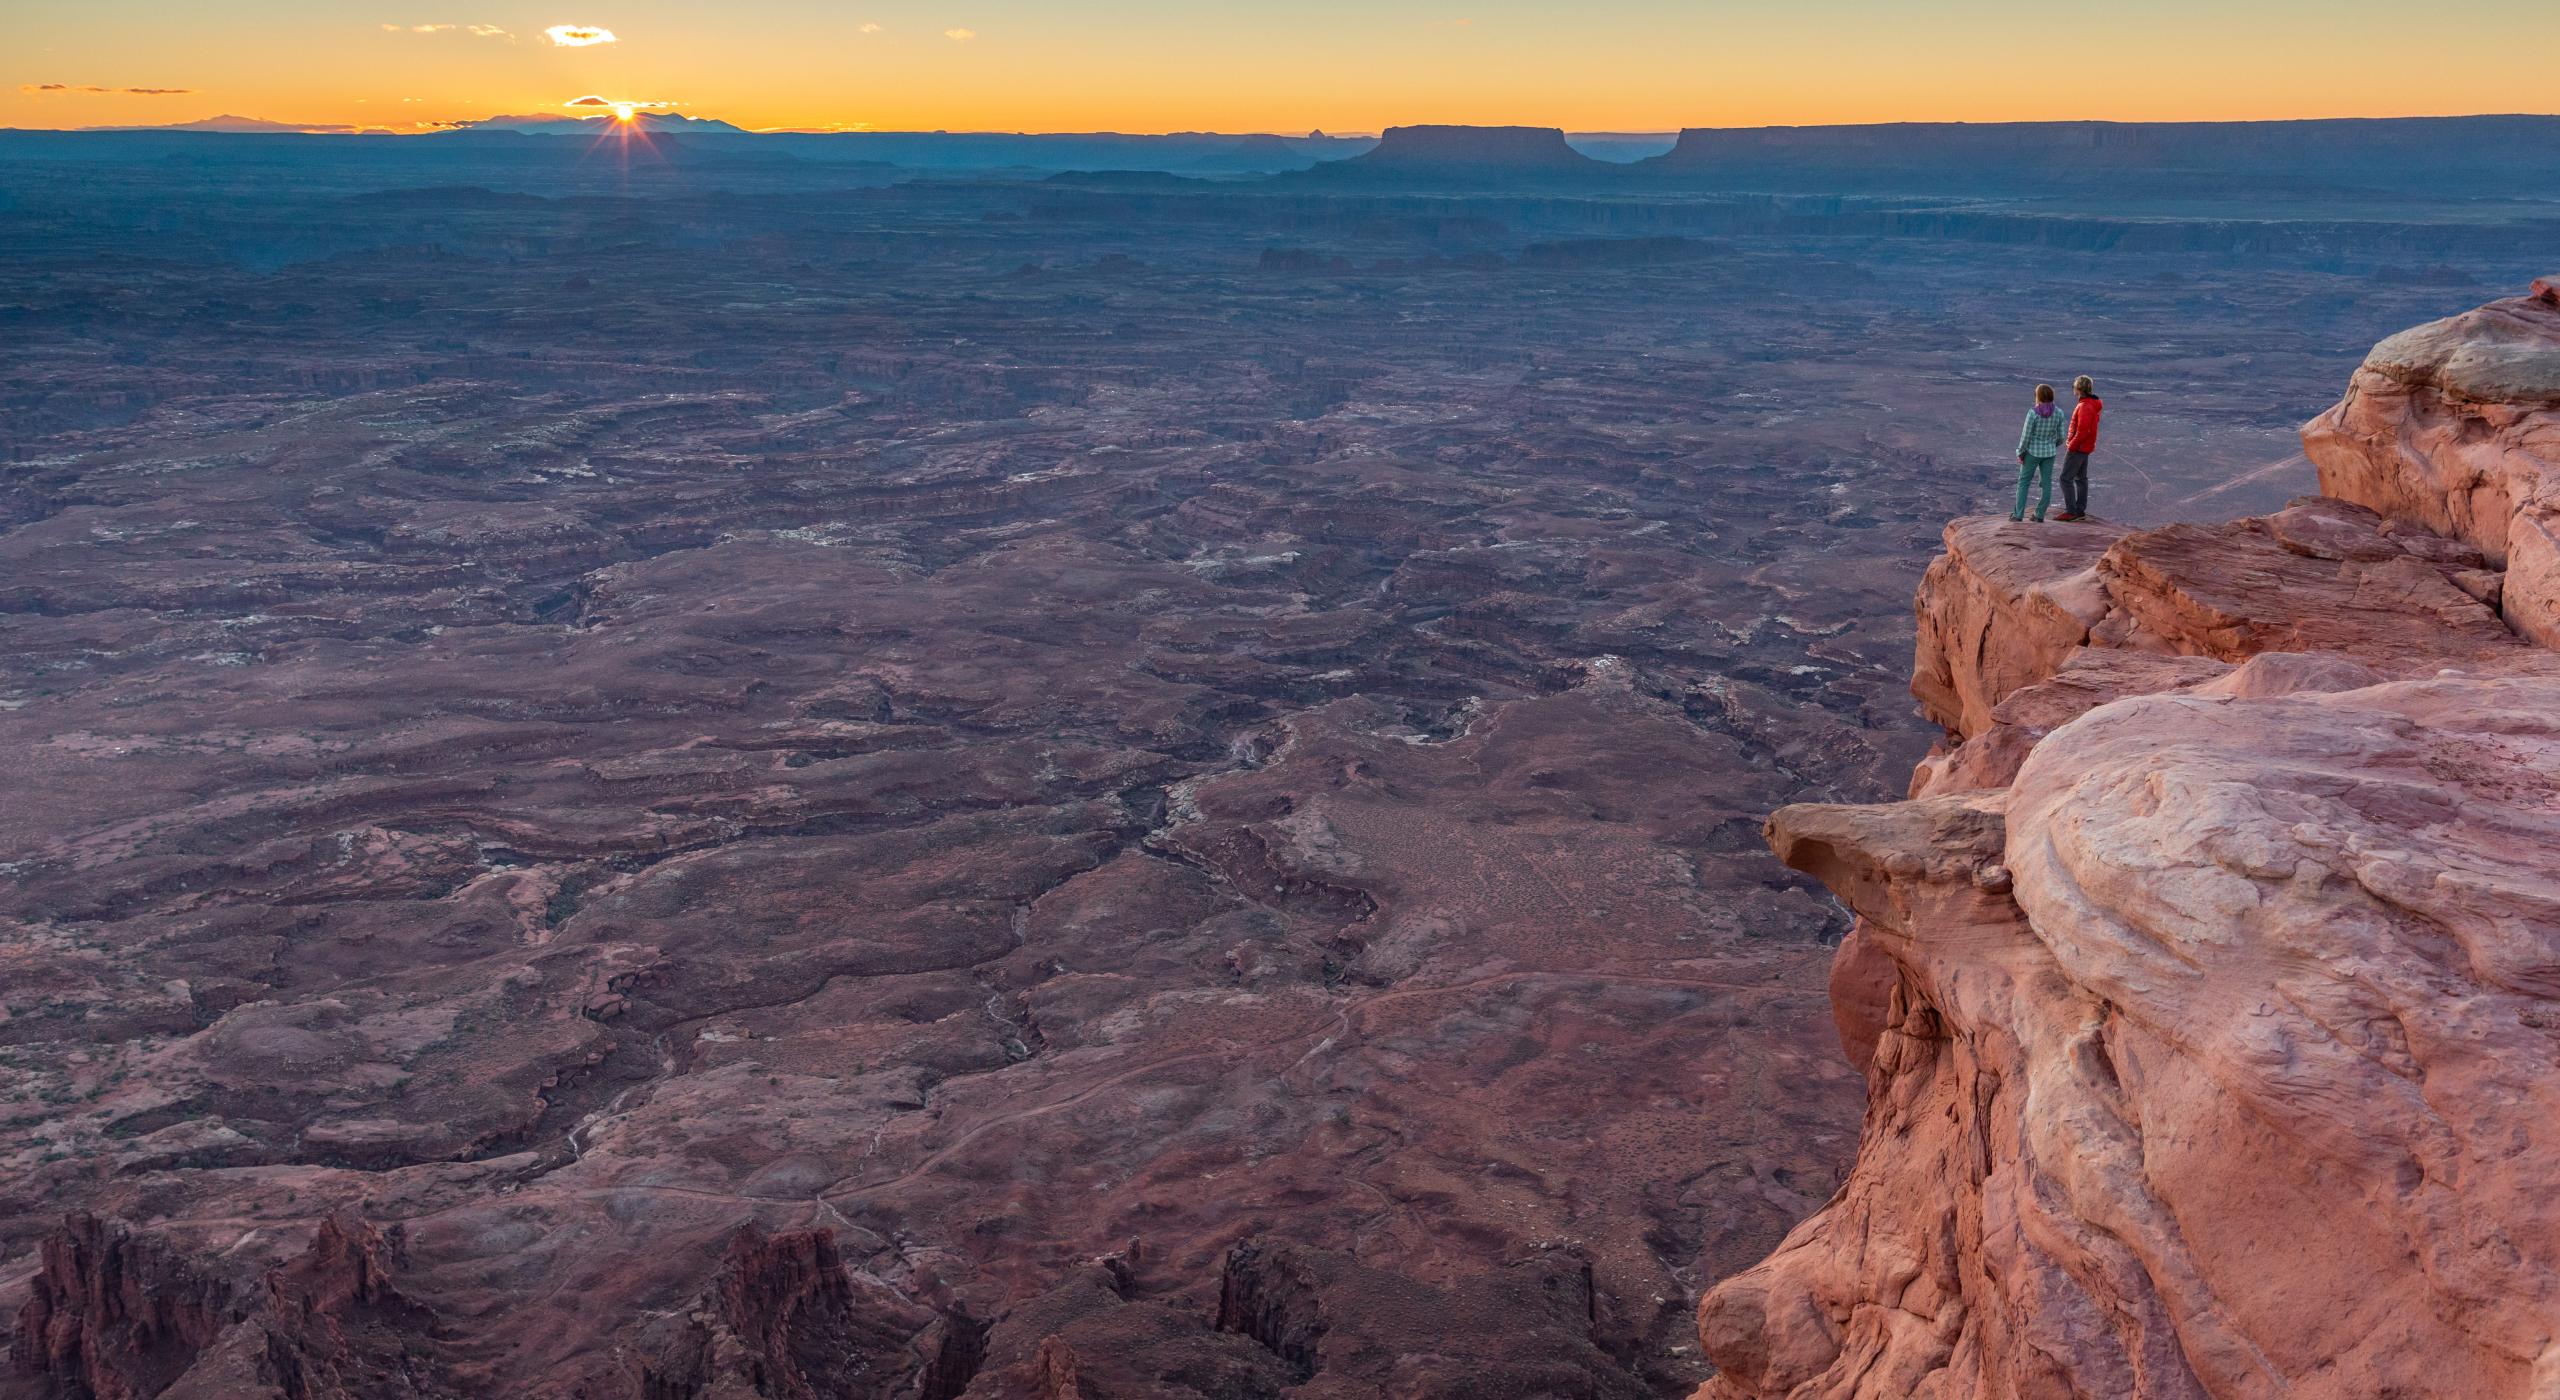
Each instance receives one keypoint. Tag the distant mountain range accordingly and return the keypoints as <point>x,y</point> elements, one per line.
<point>2405,155</point>
<point>555,124</point>
<point>2358,159</point>
<point>1205,153</point>
<point>2513,152</point>
<point>2114,143</point>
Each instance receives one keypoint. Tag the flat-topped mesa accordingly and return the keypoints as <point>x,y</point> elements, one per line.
<point>1516,146</point>
<point>1467,153</point>
<point>2206,989</point>
<point>2455,425</point>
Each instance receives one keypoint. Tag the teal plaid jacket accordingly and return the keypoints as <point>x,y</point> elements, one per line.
<point>2043,435</point>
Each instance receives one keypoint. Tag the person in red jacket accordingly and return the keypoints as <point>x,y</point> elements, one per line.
<point>2078,441</point>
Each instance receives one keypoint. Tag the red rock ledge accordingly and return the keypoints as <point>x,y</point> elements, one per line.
<point>2208,987</point>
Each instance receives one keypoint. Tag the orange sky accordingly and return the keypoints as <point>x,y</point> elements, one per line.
<point>1155,65</point>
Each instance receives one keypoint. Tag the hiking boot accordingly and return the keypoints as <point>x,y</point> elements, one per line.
<point>2071,515</point>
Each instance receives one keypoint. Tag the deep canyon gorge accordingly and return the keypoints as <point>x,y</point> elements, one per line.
<point>724,780</point>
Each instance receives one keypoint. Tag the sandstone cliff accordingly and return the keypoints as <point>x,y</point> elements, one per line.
<point>2208,986</point>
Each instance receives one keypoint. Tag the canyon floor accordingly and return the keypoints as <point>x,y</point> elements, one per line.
<point>929,789</point>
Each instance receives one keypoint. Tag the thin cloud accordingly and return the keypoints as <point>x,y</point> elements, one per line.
<point>107,91</point>
<point>959,36</point>
<point>870,28</point>
<point>489,31</point>
<point>579,36</point>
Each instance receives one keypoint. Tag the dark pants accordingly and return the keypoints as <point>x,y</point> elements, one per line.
<point>2075,483</point>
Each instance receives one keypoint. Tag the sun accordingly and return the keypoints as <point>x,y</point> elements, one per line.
<point>624,111</point>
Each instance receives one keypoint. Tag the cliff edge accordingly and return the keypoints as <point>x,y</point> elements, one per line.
<point>2208,984</point>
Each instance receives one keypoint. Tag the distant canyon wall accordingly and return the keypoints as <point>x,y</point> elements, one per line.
<point>2208,984</point>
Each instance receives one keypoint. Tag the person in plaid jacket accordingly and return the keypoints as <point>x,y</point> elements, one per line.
<point>2037,444</point>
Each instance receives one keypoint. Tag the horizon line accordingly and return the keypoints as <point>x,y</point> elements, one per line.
<point>288,128</point>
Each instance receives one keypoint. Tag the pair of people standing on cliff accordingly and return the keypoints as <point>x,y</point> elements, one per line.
<point>2075,437</point>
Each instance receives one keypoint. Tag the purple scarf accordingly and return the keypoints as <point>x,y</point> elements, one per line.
<point>2044,410</point>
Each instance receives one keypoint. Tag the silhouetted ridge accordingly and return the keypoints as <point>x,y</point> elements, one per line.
<point>2398,152</point>
<point>1474,148</point>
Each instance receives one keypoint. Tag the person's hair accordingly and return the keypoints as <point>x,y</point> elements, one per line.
<point>2044,393</point>
<point>2082,385</point>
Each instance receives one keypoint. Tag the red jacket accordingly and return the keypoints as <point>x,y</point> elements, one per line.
<point>2083,435</point>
